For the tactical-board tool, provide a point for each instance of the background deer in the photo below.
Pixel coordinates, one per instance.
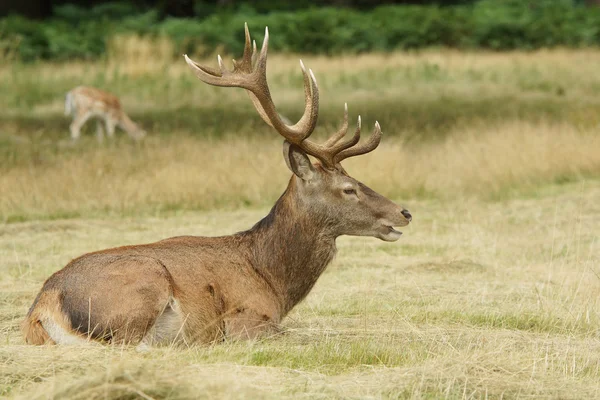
(201, 289)
(83, 103)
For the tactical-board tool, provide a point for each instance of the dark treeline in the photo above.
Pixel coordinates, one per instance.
(195, 8)
(65, 30)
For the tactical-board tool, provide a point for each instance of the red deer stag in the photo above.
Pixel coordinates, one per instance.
(200, 289)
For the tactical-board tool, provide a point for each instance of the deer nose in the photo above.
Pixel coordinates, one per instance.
(407, 215)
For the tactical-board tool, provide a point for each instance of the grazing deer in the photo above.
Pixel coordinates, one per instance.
(83, 103)
(193, 289)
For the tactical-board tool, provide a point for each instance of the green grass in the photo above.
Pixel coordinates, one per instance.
(416, 95)
(492, 292)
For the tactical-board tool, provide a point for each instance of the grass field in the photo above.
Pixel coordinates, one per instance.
(492, 292)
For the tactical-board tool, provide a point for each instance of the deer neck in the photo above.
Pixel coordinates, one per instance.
(292, 247)
(126, 123)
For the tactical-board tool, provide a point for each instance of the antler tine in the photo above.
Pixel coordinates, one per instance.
(311, 102)
(219, 77)
(261, 62)
(246, 63)
(340, 146)
(334, 145)
(341, 132)
(328, 151)
(254, 53)
(221, 65)
(370, 145)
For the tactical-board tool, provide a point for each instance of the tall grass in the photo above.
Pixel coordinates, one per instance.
(455, 124)
(492, 292)
(420, 93)
(134, 55)
(183, 172)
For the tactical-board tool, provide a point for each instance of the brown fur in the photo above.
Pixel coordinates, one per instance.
(46, 306)
(34, 332)
(85, 102)
(238, 286)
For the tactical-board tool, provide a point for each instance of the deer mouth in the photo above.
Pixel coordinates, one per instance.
(389, 234)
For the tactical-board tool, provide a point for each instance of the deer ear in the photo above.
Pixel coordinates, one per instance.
(297, 161)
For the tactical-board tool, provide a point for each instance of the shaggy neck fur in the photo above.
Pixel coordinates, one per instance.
(292, 247)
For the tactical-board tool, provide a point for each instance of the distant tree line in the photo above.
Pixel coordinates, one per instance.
(191, 8)
(75, 31)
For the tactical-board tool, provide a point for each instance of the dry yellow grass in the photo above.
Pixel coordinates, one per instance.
(496, 300)
(186, 173)
(493, 291)
(135, 55)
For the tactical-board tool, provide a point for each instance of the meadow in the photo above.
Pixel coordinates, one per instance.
(492, 292)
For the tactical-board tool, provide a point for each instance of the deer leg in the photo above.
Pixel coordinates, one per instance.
(75, 128)
(121, 306)
(99, 131)
(78, 122)
(110, 127)
(245, 323)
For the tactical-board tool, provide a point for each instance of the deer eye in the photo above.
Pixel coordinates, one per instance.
(349, 191)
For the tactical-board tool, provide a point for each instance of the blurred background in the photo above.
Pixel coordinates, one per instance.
(483, 98)
(39, 29)
(490, 112)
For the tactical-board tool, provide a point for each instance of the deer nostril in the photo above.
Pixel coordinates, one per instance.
(407, 215)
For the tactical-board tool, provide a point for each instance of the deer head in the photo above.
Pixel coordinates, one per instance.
(323, 189)
(134, 130)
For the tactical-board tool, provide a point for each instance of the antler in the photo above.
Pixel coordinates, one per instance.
(251, 74)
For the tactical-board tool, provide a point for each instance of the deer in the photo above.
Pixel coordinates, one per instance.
(201, 290)
(84, 102)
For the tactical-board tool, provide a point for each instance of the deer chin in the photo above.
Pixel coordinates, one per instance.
(387, 233)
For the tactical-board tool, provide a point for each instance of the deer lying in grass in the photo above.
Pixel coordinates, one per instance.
(83, 103)
(202, 289)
